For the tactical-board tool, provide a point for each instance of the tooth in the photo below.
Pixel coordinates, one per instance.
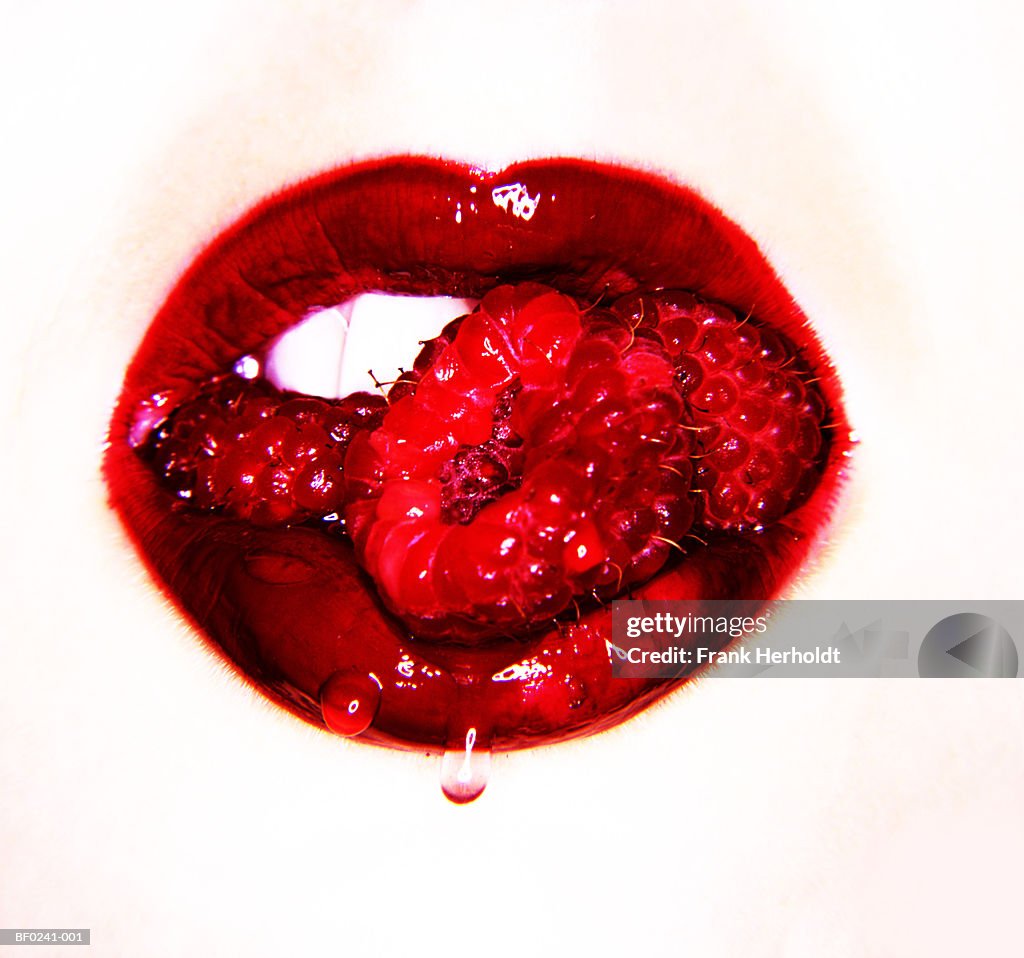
(307, 357)
(330, 353)
(385, 333)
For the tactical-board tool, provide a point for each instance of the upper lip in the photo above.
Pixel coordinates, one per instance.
(429, 227)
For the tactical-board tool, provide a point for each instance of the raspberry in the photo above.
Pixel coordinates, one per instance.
(580, 482)
(757, 417)
(244, 448)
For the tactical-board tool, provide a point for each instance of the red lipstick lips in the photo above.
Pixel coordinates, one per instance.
(292, 607)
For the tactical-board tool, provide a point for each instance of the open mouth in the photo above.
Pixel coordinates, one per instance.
(635, 408)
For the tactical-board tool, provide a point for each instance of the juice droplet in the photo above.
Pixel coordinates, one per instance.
(248, 367)
(349, 702)
(464, 771)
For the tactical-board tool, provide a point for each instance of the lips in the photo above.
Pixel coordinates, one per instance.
(290, 607)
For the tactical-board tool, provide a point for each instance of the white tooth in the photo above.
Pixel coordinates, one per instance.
(331, 352)
(307, 357)
(385, 333)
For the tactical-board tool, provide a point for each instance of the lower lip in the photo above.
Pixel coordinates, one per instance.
(290, 608)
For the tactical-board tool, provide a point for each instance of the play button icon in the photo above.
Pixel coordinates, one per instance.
(967, 645)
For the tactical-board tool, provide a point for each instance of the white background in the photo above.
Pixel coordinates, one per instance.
(873, 151)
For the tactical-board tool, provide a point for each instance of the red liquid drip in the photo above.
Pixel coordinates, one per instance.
(349, 702)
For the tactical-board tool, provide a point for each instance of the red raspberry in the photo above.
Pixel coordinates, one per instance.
(758, 416)
(540, 456)
(244, 448)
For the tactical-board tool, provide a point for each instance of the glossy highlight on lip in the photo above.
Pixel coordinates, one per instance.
(290, 606)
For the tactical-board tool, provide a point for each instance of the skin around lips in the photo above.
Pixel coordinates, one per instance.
(284, 604)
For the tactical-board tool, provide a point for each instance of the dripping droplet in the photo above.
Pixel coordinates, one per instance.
(349, 702)
(464, 771)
